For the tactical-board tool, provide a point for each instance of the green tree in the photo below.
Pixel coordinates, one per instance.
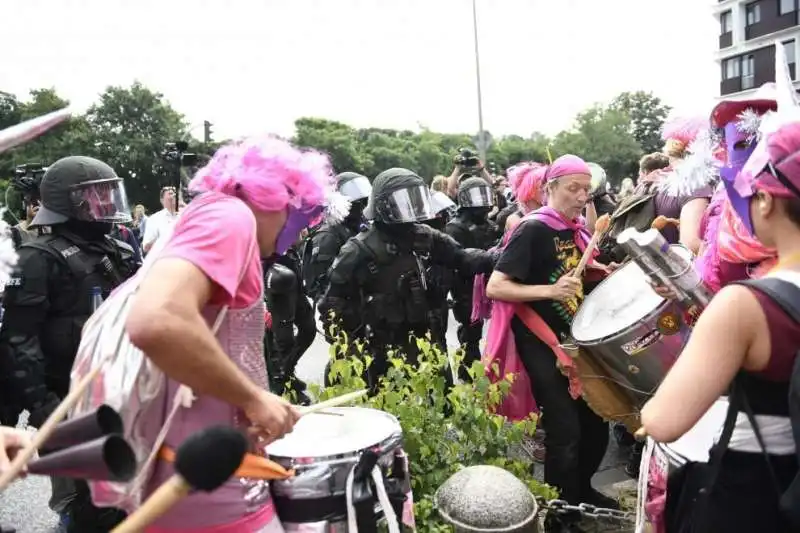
(336, 139)
(601, 135)
(129, 128)
(646, 113)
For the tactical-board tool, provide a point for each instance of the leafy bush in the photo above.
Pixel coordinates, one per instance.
(444, 428)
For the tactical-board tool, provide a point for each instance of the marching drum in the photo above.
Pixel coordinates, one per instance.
(660, 460)
(632, 332)
(339, 456)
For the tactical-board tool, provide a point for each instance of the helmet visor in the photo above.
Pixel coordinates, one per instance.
(356, 189)
(412, 204)
(476, 197)
(101, 201)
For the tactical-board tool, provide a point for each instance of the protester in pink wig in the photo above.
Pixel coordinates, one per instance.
(536, 297)
(255, 197)
(527, 183)
(678, 133)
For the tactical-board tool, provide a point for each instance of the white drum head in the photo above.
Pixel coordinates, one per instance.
(620, 301)
(325, 435)
(696, 443)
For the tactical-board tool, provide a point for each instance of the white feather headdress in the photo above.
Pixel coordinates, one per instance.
(698, 169)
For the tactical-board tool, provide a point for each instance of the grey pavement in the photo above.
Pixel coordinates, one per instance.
(24, 505)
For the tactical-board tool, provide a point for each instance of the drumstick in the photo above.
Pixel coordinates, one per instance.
(600, 227)
(40, 437)
(333, 402)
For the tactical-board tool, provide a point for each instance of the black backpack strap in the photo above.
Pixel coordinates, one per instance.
(783, 293)
(742, 399)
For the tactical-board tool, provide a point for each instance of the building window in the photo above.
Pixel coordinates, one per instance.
(788, 48)
(726, 22)
(753, 13)
(748, 72)
(732, 67)
(786, 6)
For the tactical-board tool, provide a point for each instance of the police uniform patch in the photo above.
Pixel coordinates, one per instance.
(669, 324)
(14, 281)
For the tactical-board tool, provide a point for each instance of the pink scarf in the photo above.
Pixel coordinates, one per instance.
(501, 349)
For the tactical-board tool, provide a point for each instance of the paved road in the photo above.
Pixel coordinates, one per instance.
(24, 505)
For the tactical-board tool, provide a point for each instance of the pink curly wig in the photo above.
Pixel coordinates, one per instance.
(679, 132)
(527, 181)
(268, 172)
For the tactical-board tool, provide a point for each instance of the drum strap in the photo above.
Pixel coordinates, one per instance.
(383, 497)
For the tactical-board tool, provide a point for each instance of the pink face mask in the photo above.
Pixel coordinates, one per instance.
(296, 221)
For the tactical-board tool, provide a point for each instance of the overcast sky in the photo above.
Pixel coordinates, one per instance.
(257, 65)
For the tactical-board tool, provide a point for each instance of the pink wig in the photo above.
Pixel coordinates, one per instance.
(527, 181)
(683, 129)
(269, 173)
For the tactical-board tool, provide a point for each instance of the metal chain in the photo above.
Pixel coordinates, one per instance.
(561, 507)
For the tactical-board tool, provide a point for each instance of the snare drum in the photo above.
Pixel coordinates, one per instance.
(635, 334)
(664, 459)
(323, 449)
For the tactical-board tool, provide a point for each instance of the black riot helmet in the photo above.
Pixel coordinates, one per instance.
(475, 192)
(353, 185)
(399, 197)
(83, 189)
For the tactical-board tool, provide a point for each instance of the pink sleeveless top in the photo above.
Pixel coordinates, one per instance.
(216, 234)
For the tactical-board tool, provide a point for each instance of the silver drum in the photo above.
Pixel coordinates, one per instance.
(635, 334)
(322, 449)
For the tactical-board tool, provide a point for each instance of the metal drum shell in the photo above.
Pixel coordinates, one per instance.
(322, 476)
(639, 355)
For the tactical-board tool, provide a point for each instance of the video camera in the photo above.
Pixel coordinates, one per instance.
(466, 158)
(27, 179)
(175, 153)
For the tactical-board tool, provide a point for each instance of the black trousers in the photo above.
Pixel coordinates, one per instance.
(575, 437)
(469, 337)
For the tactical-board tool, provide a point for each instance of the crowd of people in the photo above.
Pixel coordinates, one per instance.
(226, 302)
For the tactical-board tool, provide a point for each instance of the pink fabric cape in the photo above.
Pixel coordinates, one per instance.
(500, 346)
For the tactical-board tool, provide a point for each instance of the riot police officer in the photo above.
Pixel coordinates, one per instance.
(439, 276)
(378, 285)
(471, 228)
(26, 182)
(50, 296)
(288, 307)
(324, 243)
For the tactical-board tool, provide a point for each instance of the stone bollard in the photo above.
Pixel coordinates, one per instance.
(486, 499)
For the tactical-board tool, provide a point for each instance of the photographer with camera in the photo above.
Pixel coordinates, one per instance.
(158, 223)
(26, 182)
(467, 165)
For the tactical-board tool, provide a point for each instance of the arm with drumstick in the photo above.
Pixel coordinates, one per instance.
(601, 226)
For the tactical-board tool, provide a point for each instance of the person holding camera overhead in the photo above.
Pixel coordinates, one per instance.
(467, 165)
(158, 223)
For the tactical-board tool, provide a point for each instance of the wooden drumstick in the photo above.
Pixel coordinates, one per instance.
(600, 228)
(333, 402)
(40, 437)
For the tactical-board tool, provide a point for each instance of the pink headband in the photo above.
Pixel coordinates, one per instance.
(567, 165)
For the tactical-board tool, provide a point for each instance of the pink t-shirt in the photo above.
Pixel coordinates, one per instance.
(216, 232)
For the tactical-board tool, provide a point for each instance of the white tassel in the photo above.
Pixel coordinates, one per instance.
(699, 169)
(8, 255)
(337, 207)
